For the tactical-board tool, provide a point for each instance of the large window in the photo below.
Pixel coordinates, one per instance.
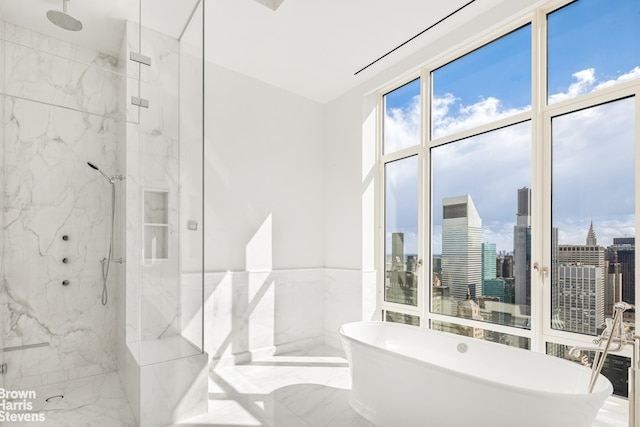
(401, 130)
(512, 217)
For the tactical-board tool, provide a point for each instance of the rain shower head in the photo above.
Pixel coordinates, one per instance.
(92, 166)
(63, 19)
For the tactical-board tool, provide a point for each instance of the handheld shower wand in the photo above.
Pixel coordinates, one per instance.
(106, 262)
(108, 178)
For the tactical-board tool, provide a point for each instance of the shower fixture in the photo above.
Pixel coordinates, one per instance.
(91, 165)
(106, 262)
(63, 19)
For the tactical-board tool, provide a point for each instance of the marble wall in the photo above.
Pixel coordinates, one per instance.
(267, 188)
(255, 314)
(60, 110)
(252, 314)
(4, 315)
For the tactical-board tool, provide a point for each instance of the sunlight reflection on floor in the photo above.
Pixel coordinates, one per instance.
(302, 389)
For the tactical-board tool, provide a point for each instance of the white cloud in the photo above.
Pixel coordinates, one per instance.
(497, 157)
(584, 80)
(587, 82)
(491, 167)
(593, 172)
(501, 160)
(631, 75)
(402, 126)
(446, 121)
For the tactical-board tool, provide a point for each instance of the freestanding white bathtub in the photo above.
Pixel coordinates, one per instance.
(408, 376)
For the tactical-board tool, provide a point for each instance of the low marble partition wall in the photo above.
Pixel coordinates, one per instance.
(252, 314)
(248, 314)
(60, 110)
(349, 296)
(173, 391)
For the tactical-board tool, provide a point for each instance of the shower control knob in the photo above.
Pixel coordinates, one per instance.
(65, 260)
(65, 282)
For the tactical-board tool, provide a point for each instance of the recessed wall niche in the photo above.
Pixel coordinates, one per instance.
(156, 224)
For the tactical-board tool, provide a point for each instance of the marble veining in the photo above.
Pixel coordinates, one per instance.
(24, 37)
(47, 77)
(59, 110)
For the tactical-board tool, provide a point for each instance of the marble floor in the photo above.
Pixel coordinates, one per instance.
(298, 389)
(96, 401)
(303, 389)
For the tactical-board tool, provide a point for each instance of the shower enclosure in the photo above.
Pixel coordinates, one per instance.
(132, 106)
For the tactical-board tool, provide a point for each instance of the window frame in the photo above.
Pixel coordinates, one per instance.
(540, 115)
(382, 160)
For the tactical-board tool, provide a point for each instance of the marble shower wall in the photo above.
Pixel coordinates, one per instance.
(60, 109)
(4, 315)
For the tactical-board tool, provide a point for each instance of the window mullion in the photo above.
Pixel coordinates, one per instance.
(540, 281)
(424, 222)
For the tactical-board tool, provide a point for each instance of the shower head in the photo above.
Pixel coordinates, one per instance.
(63, 19)
(92, 166)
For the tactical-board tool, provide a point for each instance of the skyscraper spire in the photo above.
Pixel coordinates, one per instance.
(591, 236)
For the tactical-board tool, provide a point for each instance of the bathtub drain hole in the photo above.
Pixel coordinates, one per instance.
(462, 348)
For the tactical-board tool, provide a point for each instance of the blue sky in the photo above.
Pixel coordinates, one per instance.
(593, 34)
(592, 45)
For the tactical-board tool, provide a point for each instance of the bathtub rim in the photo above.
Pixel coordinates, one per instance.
(607, 390)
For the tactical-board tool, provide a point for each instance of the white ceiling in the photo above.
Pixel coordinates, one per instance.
(308, 47)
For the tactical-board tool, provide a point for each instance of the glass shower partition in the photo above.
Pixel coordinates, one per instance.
(164, 186)
(135, 112)
(164, 211)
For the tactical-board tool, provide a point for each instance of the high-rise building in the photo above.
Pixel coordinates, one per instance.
(589, 254)
(591, 236)
(522, 251)
(494, 291)
(461, 246)
(494, 288)
(400, 284)
(397, 251)
(555, 306)
(625, 250)
(436, 268)
(581, 298)
(488, 261)
(580, 286)
(504, 266)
